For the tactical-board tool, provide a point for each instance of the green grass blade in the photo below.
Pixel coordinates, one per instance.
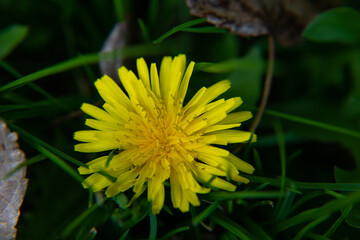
(131, 51)
(315, 213)
(232, 227)
(153, 226)
(34, 140)
(119, 10)
(35, 87)
(28, 162)
(314, 123)
(286, 207)
(221, 196)
(309, 226)
(204, 214)
(60, 67)
(195, 228)
(71, 227)
(179, 28)
(281, 141)
(144, 30)
(336, 224)
(205, 30)
(10, 37)
(306, 185)
(258, 164)
(175, 231)
(255, 229)
(153, 13)
(59, 162)
(245, 63)
(124, 236)
(317, 236)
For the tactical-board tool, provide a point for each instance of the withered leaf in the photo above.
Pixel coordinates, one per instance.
(12, 189)
(284, 19)
(116, 39)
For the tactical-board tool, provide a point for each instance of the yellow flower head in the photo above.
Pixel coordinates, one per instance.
(158, 137)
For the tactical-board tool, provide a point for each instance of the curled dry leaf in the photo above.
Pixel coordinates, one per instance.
(115, 40)
(285, 19)
(12, 189)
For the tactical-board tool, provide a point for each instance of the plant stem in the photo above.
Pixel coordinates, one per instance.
(267, 85)
(266, 89)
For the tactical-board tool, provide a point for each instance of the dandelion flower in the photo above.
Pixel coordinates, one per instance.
(159, 137)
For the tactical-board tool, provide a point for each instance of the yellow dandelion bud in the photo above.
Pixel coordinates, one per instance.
(160, 138)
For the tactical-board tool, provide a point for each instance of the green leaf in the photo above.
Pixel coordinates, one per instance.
(337, 25)
(179, 28)
(10, 37)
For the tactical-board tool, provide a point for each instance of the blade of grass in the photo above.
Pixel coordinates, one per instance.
(144, 30)
(221, 196)
(153, 226)
(204, 214)
(258, 164)
(28, 162)
(179, 28)
(119, 10)
(195, 228)
(153, 13)
(34, 140)
(336, 224)
(232, 227)
(286, 207)
(315, 213)
(92, 58)
(77, 221)
(258, 232)
(306, 185)
(228, 236)
(35, 87)
(59, 162)
(304, 199)
(175, 231)
(205, 30)
(281, 141)
(317, 236)
(124, 236)
(246, 63)
(313, 123)
(309, 226)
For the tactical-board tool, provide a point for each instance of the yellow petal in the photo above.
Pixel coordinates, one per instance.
(97, 113)
(240, 164)
(155, 83)
(96, 182)
(231, 136)
(143, 71)
(86, 136)
(236, 117)
(95, 146)
(185, 82)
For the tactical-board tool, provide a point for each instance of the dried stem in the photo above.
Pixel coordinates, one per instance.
(266, 89)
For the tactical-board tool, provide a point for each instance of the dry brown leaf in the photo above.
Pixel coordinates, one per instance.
(12, 189)
(285, 19)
